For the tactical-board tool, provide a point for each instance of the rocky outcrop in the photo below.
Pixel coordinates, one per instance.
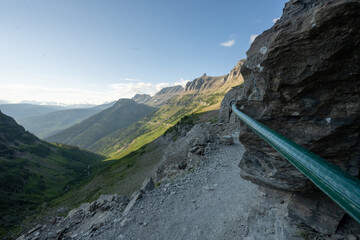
(302, 79)
(81, 222)
(160, 97)
(225, 115)
(191, 144)
(90, 218)
(186, 152)
(204, 83)
(141, 98)
(164, 95)
(317, 210)
(216, 84)
(173, 89)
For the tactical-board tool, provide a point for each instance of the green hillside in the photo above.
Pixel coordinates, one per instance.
(51, 123)
(121, 143)
(33, 172)
(203, 94)
(122, 176)
(136, 150)
(88, 132)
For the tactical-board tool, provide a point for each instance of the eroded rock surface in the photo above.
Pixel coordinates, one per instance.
(81, 222)
(302, 79)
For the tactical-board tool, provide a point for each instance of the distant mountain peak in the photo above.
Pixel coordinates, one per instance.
(172, 89)
(215, 84)
(122, 101)
(160, 97)
(86, 133)
(142, 98)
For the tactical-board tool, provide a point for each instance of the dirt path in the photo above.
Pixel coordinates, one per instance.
(212, 202)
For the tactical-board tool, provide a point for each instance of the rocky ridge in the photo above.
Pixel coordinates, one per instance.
(160, 97)
(216, 84)
(141, 98)
(312, 99)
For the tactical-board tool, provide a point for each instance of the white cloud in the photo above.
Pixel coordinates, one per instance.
(252, 37)
(228, 43)
(275, 20)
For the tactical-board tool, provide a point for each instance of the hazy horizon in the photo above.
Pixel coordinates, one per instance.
(90, 52)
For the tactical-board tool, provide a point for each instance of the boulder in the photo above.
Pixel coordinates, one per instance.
(148, 185)
(301, 79)
(136, 196)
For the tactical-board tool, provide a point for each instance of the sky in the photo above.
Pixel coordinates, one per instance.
(96, 51)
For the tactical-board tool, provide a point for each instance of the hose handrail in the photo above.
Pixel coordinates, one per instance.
(341, 187)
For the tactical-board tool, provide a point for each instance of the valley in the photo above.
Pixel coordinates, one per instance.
(33, 172)
(128, 133)
(267, 150)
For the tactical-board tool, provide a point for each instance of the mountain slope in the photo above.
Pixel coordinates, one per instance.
(206, 95)
(141, 98)
(216, 84)
(33, 171)
(133, 149)
(88, 132)
(160, 98)
(51, 123)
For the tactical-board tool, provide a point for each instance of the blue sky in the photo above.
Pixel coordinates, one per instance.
(89, 51)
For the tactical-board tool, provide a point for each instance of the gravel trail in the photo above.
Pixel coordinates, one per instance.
(211, 202)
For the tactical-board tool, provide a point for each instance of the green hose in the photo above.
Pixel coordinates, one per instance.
(341, 187)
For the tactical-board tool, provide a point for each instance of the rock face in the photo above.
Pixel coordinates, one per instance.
(204, 82)
(220, 83)
(160, 97)
(232, 94)
(302, 79)
(141, 98)
(164, 95)
(317, 210)
(81, 222)
(174, 89)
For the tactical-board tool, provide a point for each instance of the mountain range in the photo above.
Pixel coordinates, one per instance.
(87, 133)
(160, 98)
(51, 123)
(33, 171)
(104, 134)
